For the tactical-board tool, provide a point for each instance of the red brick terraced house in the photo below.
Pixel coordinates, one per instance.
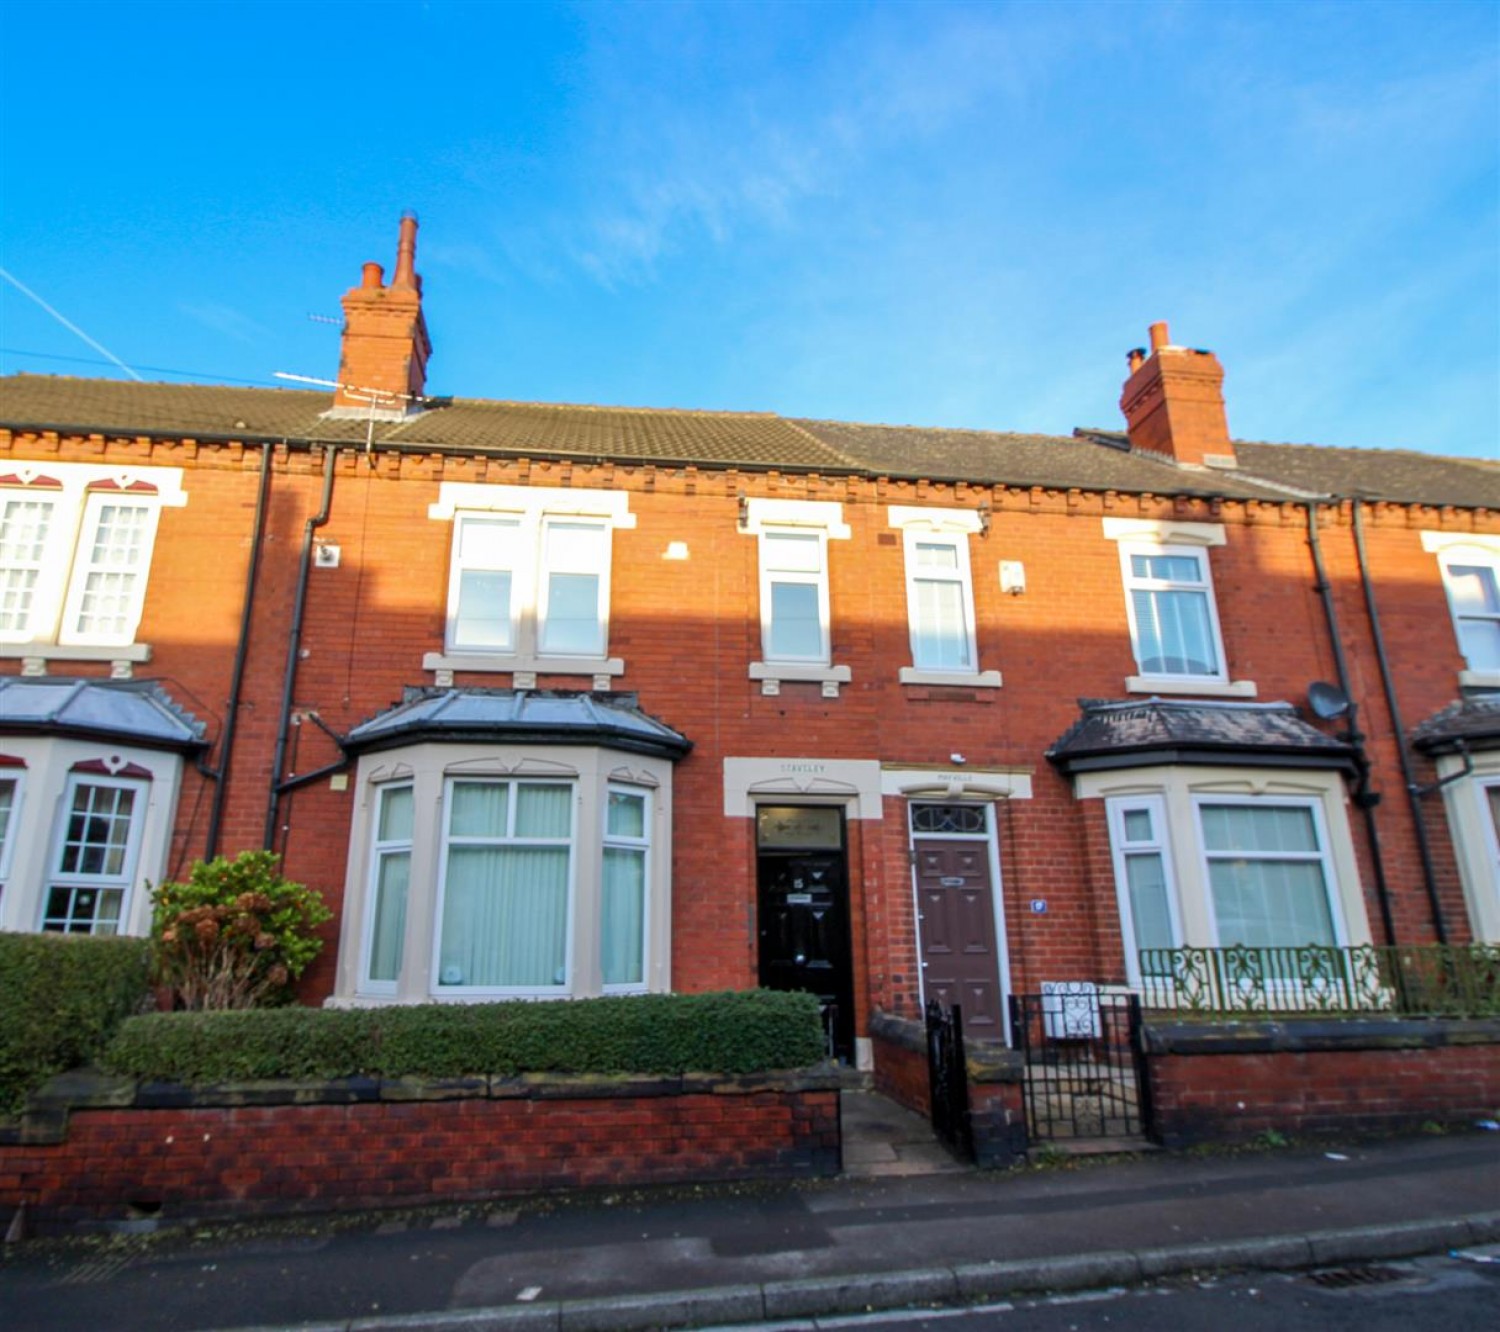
(556, 701)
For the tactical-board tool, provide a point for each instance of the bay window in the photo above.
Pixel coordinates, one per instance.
(531, 865)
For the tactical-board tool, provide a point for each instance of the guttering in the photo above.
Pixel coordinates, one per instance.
(1364, 798)
(220, 774)
(294, 648)
(1408, 776)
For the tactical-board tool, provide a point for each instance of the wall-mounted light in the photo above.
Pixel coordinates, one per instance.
(1012, 577)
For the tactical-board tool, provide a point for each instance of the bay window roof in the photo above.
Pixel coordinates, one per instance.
(1136, 734)
(137, 712)
(519, 716)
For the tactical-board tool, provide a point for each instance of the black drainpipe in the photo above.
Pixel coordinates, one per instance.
(294, 648)
(220, 774)
(1364, 798)
(1413, 788)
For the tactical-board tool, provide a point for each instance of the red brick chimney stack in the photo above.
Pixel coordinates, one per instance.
(1174, 403)
(385, 346)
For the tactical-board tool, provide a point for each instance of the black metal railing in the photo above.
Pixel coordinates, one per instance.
(1426, 980)
(1085, 1075)
(948, 1078)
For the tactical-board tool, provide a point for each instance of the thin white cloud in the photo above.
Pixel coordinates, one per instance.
(226, 320)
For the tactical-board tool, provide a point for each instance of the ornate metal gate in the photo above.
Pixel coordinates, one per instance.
(1085, 1066)
(948, 1078)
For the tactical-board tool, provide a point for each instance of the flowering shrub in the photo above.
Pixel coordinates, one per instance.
(236, 934)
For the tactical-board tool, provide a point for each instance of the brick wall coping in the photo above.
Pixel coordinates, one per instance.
(988, 1061)
(1314, 1034)
(45, 1119)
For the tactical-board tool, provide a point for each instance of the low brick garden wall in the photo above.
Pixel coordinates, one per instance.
(96, 1149)
(1223, 1081)
(997, 1112)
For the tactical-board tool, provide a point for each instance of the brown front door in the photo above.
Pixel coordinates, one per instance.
(956, 932)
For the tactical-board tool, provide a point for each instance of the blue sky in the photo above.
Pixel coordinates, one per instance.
(943, 214)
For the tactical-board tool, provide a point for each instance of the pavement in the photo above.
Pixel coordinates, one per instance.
(905, 1226)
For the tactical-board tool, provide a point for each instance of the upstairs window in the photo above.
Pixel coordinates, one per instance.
(1173, 624)
(75, 552)
(529, 579)
(940, 596)
(794, 595)
(1170, 608)
(796, 619)
(1471, 577)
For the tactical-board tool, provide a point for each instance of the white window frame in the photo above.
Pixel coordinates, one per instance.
(431, 767)
(78, 494)
(1139, 536)
(16, 775)
(619, 842)
(1321, 858)
(534, 510)
(1181, 788)
(1121, 850)
(379, 850)
(951, 527)
(447, 842)
(772, 577)
(1468, 780)
(1456, 548)
(823, 519)
(124, 881)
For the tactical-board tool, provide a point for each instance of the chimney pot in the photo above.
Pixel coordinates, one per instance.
(374, 276)
(1159, 337)
(1134, 357)
(406, 253)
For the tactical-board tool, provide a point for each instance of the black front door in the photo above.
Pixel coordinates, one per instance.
(804, 912)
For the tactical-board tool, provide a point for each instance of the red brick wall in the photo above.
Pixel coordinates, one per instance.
(688, 629)
(1218, 1097)
(205, 1160)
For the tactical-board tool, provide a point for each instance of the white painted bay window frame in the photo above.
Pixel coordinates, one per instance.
(1182, 540)
(63, 578)
(1179, 792)
(1123, 813)
(12, 798)
(1468, 559)
(1472, 803)
(532, 516)
(31, 857)
(70, 883)
(950, 529)
(815, 523)
(431, 770)
(387, 849)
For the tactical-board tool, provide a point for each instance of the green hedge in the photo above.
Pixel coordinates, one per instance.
(746, 1031)
(61, 998)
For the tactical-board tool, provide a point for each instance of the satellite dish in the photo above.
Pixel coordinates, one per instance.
(1327, 701)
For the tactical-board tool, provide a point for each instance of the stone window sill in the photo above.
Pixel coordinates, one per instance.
(34, 656)
(1171, 684)
(523, 669)
(911, 675)
(771, 674)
